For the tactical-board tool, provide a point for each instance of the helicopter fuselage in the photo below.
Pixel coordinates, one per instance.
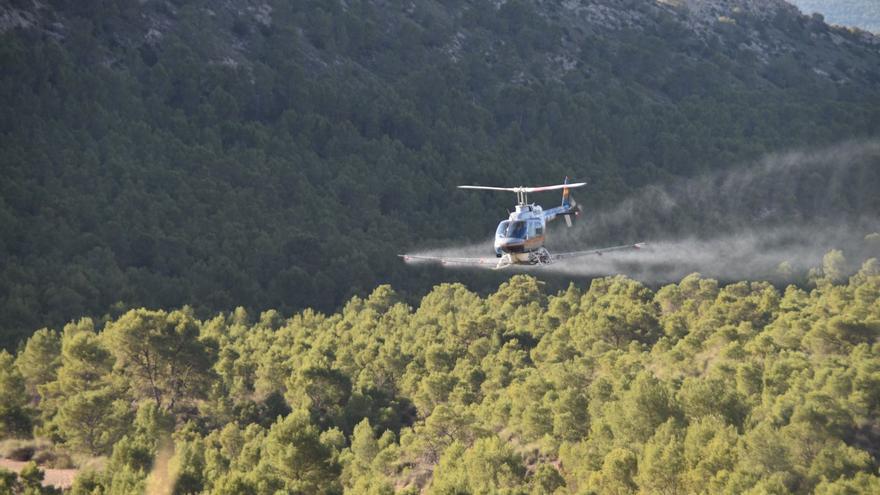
(522, 232)
(522, 235)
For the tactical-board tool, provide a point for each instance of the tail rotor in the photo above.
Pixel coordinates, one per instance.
(570, 205)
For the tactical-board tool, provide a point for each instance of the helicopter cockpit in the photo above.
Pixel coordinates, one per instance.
(515, 229)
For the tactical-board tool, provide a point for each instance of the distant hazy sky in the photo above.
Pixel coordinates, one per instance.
(863, 14)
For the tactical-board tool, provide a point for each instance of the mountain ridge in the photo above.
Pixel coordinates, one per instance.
(702, 16)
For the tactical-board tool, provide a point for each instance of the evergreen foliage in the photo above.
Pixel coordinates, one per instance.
(162, 153)
(694, 388)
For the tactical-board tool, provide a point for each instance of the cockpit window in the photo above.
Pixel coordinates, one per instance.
(516, 229)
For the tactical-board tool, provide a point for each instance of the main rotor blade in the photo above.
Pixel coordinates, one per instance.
(526, 189)
(550, 188)
(489, 188)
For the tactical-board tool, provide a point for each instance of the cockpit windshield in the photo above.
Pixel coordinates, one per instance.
(516, 229)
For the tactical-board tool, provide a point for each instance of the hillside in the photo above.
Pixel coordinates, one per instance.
(862, 14)
(278, 154)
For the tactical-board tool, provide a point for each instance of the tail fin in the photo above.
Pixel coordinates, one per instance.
(566, 196)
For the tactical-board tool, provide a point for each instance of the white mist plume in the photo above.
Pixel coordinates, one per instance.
(774, 254)
(780, 189)
(787, 209)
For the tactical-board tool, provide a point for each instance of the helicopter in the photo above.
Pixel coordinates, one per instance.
(519, 240)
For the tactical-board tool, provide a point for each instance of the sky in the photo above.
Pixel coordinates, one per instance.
(864, 14)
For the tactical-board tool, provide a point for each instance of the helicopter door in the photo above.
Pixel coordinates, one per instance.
(535, 229)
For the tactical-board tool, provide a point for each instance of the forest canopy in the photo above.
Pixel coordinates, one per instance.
(279, 155)
(695, 388)
(201, 203)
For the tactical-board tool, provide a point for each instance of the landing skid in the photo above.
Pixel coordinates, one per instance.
(504, 261)
(538, 257)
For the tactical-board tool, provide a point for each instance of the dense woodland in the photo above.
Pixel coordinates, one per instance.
(166, 162)
(279, 154)
(614, 388)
